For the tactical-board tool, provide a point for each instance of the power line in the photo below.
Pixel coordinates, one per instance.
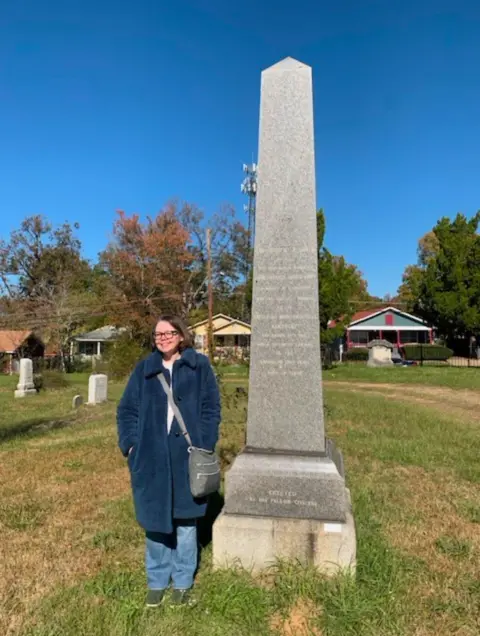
(45, 314)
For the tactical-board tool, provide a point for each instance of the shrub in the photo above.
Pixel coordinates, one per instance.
(359, 354)
(121, 357)
(50, 380)
(79, 365)
(427, 352)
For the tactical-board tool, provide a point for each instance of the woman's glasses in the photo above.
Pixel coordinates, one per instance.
(165, 335)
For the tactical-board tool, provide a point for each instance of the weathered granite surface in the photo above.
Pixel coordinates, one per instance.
(97, 388)
(285, 494)
(25, 384)
(285, 408)
(77, 401)
(258, 542)
(285, 485)
(380, 353)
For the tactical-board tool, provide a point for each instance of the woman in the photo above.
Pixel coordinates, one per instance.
(150, 437)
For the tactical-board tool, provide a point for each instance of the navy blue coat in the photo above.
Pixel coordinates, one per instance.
(158, 462)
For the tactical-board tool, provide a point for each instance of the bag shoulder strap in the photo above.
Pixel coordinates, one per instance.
(175, 409)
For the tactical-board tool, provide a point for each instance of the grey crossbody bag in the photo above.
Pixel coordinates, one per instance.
(203, 465)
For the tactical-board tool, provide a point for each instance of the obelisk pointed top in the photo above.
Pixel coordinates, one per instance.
(287, 64)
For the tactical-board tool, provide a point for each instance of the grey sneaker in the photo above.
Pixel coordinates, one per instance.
(155, 597)
(182, 597)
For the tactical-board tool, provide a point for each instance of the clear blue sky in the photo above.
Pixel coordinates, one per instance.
(112, 104)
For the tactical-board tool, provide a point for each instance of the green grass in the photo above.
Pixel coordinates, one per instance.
(23, 515)
(414, 479)
(112, 602)
(50, 408)
(408, 435)
(453, 547)
(452, 377)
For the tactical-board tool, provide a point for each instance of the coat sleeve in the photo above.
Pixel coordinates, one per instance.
(128, 412)
(210, 407)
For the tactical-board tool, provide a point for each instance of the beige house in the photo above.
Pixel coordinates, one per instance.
(231, 337)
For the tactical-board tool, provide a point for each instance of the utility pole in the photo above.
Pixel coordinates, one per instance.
(210, 296)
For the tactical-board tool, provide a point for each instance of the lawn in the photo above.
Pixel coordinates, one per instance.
(453, 377)
(72, 554)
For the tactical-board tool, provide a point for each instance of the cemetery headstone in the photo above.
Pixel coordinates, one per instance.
(380, 353)
(285, 495)
(97, 388)
(77, 401)
(25, 384)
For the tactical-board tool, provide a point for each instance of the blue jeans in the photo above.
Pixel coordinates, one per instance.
(172, 556)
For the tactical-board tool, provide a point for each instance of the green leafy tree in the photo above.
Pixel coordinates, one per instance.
(339, 285)
(444, 286)
(45, 282)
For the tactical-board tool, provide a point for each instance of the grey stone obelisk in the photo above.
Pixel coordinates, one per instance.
(285, 494)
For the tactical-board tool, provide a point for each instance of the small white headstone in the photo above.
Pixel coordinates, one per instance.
(97, 388)
(25, 384)
(77, 401)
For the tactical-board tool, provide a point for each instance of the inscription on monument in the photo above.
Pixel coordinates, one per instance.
(280, 498)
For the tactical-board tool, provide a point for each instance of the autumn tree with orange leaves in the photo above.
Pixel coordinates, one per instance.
(146, 271)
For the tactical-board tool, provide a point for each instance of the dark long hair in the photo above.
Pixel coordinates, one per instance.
(179, 325)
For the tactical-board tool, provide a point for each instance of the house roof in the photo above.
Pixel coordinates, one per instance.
(229, 324)
(359, 316)
(101, 334)
(229, 318)
(10, 341)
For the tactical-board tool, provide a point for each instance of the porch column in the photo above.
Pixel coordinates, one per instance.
(98, 349)
(348, 339)
(398, 339)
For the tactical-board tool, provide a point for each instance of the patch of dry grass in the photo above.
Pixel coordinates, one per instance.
(462, 403)
(52, 493)
(298, 621)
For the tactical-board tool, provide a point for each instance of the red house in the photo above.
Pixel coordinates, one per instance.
(389, 323)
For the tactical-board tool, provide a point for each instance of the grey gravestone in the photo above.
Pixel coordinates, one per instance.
(287, 472)
(25, 384)
(77, 401)
(380, 353)
(97, 388)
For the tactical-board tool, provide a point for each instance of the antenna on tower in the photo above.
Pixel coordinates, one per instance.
(249, 187)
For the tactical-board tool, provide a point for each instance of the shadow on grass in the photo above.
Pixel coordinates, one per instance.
(205, 524)
(34, 426)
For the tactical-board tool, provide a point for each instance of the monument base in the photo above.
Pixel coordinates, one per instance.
(20, 393)
(285, 484)
(255, 543)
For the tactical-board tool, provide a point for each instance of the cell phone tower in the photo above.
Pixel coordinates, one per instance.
(249, 187)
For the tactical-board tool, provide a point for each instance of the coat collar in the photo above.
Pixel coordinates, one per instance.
(154, 366)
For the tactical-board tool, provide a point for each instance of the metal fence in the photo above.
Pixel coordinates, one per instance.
(330, 355)
(454, 361)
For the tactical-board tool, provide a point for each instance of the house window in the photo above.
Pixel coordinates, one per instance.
(414, 337)
(87, 348)
(359, 337)
(389, 320)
